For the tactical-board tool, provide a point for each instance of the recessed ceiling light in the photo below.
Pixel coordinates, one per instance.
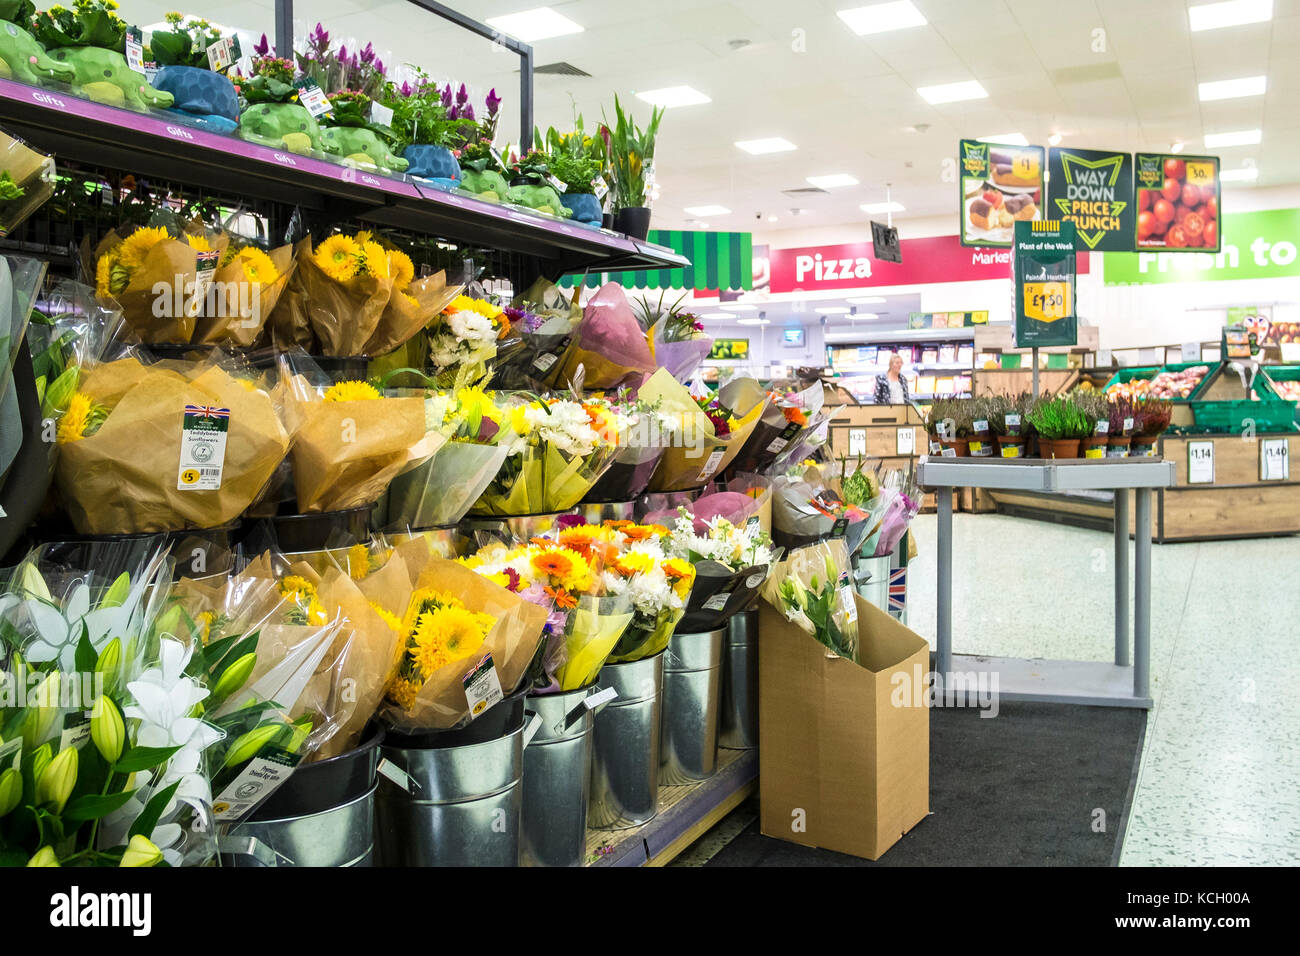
(1054, 139)
(952, 92)
(1212, 16)
(833, 181)
(1242, 137)
(1006, 139)
(865, 315)
(708, 210)
(532, 25)
(717, 315)
(882, 17)
(738, 307)
(1231, 89)
(1176, 147)
(674, 96)
(753, 321)
(773, 144)
(1246, 174)
(878, 207)
(833, 310)
(771, 218)
(867, 300)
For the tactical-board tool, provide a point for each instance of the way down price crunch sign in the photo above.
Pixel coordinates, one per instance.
(1043, 273)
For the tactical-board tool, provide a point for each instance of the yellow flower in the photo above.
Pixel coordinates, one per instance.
(411, 300)
(634, 562)
(141, 852)
(460, 632)
(351, 392)
(475, 401)
(135, 247)
(294, 585)
(403, 270)
(519, 420)
(403, 693)
(198, 243)
(258, 266)
(501, 579)
(358, 562)
(336, 257)
(464, 303)
(104, 274)
(204, 621)
(72, 426)
(389, 618)
(316, 615)
(374, 260)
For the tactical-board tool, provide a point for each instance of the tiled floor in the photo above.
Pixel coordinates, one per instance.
(1220, 775)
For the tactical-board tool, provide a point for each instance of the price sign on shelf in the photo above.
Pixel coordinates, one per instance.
(1200, 462)
(1274, 460)
(857, 442)
(905, 443)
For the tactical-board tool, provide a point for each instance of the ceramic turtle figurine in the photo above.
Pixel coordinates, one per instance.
(105, 78)
(22, 59)
(489, 184)
(361, 146)
(281, 126)
(540, 197)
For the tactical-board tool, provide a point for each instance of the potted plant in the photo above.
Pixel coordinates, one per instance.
(271, 112)
(533, 186)
(1010, 429)
(1151, 418)
(186, 71)
(424, 133)
(1123, 416)
(633, 151)
(481, 172)
(982, 442)
(578, 161)
(1060, 425)
(91, 39)
(950, 423)
(1096, 411)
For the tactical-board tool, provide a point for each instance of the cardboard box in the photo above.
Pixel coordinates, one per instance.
(843, 767)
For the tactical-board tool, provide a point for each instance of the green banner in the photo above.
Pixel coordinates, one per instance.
(719, 261)
(1256, 245)
(1043, 271)
(1094, 190)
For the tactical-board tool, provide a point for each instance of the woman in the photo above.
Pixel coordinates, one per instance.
(891, 387)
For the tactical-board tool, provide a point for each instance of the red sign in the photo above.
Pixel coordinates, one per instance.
(925, 261)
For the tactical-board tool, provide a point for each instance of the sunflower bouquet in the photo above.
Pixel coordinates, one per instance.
(413, 305)
(160, 278)
(336, 300)
(465, 642)
(349, 441)
(248, 283)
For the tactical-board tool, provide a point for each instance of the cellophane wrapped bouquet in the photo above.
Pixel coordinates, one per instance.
(609, 344)
(642, 434)
(809, 506)
(743, 500)
(811, 587)
(543, 321)
(786, 420)
(675, 336)
(463, 339)
(659, 585)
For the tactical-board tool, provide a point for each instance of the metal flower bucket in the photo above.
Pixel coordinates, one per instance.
(557, 780)
(339, 836)
(463, 808)
(738, 724)
(692, 681)
(625, 755)
(871, 580)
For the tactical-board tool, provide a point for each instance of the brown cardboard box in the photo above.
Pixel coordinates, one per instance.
(843, 767)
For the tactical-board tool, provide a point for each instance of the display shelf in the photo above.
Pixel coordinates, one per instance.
(1030, 474)
(685, 814)
(154, 144)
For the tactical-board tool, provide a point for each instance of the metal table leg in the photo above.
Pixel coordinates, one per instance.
(943, 612)
(1142, 594)
(1121, 578)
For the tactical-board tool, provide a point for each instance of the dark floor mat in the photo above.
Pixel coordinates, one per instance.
(1020, 789)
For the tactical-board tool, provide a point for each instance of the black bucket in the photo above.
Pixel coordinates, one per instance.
(297, 533)
(198, 553)
(317, 787)
(343, 368)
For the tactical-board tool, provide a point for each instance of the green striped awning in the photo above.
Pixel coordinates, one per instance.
(719, 260)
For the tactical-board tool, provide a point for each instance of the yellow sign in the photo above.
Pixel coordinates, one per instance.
(190, 476)
(1047, 301)
(1200, 174)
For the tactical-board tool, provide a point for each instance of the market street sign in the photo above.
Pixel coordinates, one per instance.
(1044, 283)
(1093, 189)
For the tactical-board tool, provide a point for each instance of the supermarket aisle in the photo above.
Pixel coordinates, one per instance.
(1220, 776)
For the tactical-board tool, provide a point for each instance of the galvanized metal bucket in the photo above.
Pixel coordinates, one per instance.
(557, 780)
(871, 580)
(625, 742)
(692, 685)
(738, 724)
(339, 836)
(463, 809)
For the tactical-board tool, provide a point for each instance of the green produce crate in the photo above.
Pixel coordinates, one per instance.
(1151, 371)
(1269, 414)
(1282, 373)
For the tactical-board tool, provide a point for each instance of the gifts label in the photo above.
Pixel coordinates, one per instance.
(76, 730)
(711, 465)
(135, 49)
(260, 778)
(381, 114)
(312, 97)
(482, 686)
(203, 447)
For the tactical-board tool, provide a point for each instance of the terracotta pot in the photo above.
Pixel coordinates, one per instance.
(1013, 446)
(960, 445)
(1058, 448)
(1118, 446)
(1142, 446)
(1093, 446)
(981, 446)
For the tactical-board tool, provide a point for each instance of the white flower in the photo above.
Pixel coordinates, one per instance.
(471, 327)
(436, 407)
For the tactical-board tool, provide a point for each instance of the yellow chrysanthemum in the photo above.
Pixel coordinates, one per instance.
(465, 303)
(316, 615)
(375, 259)
(403, 693)
(351, 392)
(72, 426)
(519, 420)
(389, 618)
(135, 247)
(634, 562)
(294, 584)
(358, 562)
(401, 268)
(475, 401)
(473, 561)
(104, 274)
(337, 257)
(258, 266)
(198, 243)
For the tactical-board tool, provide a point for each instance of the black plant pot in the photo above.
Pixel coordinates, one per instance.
(633, 222)
(296, 533)
(607, 220)
(198, 553)
(317, 787)
(343, 368)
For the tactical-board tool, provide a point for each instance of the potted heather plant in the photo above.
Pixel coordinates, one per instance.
(1123, 416)
(632, 151)
(1096, 410)
(1151, 419)
(981, 431)
(198, 90)
(1009, 427)
(950, 423)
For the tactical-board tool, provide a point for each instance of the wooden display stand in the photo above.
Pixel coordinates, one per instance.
(879, 431)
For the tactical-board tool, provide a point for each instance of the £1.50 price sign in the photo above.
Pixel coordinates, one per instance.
(1043, 267)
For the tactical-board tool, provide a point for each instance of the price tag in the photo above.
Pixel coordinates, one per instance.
(936, 448)
(222, 54)
(205, 269)
(778, 444)
(545, 361)
(482, 686)
(840, 527)
(905, 441)
(76, 730)
(981, 426)
(1025, 166)
(1047, 301)
(557, 183)
(711, 465)
(381, 114)
(1128, 425)
(312, 97)
(1200, 174)
(1103, 428)
(717, 602)
(857, 442)
(1011, 451)
(1274, 460)
(595, 700)
(755, 579)
(600, 188)
(948, 453)
(1200, 462)
(397, 775)
(203, 447)
(1013, 424)
(260, 778)
(135, 49)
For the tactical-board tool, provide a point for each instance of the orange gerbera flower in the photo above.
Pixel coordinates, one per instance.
(562, 598)
(677, 569)
(580, 539)
(640, 532)
(796, 415)
(552, 564)
(546, 543)
(618, 523)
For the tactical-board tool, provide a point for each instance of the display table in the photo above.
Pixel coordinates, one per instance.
(1126, 683)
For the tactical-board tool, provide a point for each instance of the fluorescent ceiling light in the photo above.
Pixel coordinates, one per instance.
(1231, 89)
(1242, 137)
(882, 17)
(876, 207)
(738, 307)
(674, 96)
(1212, 16)
(1006, 139)
(864, 315)
(753, 321)
(866, 300)
(1176, 148)
(717, 315)
(834, 181)
(699, 211)
(771, 218)
(532, 25)
(1246, 174)
(773, 144)
(833, 310)
(952, 92)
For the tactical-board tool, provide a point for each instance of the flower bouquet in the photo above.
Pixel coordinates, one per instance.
(465, 642)
(543, 320)
(744, 500)
(609, 344)
(660, 588)
(784, 422)
(463, 339)
(245, 288)
(731, 562)
(812, 508)
(711, 434)
(642, 433)
(102, 745)
(167, 447)
(349, 441)
(811, 587)
(676, 337)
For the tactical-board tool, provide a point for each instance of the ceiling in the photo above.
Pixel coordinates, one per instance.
(1111, 74)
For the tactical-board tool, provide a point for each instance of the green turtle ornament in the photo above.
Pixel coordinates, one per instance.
(281, 126)
(361, 147)
(22, 59)
(103, 76)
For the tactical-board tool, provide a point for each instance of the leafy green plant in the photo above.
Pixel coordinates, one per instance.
(421, 117)
(632, 151)
(530, 169)
(17, 11)
(479, 158)
(860, 487)
(185, 44)
(576, 158)
(1060, 418)
(88, 23)
(576, 172)
(271, 82)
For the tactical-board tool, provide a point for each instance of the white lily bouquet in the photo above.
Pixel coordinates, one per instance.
(811, 587)
(103, 748)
